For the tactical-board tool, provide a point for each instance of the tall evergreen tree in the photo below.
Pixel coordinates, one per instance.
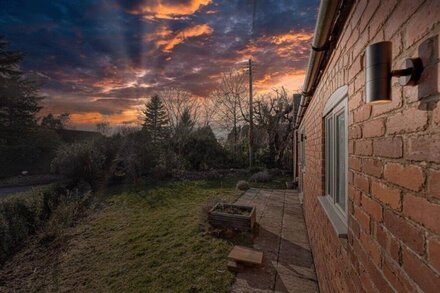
(18, 97)
(183, 129)
(156, 121)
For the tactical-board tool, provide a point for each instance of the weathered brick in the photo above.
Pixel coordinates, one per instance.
(361, 114)
(397, 45)
(364, 147)
(422, 211)
(434, 183)
(428, 84)
(374, 128)
(422, 22)
(407, 121)
(362, 182)
(351, 147)
(381, 15)
(356, 101)
(411, 177)
(354, 163)
(409, 234)
(372, 167)
(368, 13)
(363, 219)
(389, 147)
(424, 148)
(355, 195)
(436, 114)
(433, 248)
(378, 279)
(386, 194)
(355, 131)
(354, 227)
(371, 248)
(373, 208)
(404, 9)
(388, 242)
(420, 272)
(394, 274)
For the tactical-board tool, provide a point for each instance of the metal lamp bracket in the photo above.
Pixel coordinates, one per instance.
(410, 72)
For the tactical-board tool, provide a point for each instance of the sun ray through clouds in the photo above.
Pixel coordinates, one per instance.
(100, 59)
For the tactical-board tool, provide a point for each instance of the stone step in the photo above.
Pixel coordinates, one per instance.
(245, 255)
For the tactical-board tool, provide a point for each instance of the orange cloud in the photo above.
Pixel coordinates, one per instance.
(90, 118)
(266, 78)
(181, 36)
(160, 33)
(292, 81)
(290, 37)
(160, 10)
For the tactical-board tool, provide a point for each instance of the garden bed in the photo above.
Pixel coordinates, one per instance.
(234, 217)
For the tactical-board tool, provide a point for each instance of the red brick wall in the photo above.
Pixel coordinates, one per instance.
(394, 158)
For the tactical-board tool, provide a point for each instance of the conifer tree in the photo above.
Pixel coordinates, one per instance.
(184, 127)
(156, 121)
(18, 97)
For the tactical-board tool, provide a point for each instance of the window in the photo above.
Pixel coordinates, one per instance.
(335, 159)
(334, 201)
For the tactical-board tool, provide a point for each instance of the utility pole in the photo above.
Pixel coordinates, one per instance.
(251, 118)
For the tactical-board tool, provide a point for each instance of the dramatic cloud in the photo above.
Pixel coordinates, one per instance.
(186, 33)
(98, 59)
(162, 9)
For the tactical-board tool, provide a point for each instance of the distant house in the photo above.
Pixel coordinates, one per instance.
(368, 164)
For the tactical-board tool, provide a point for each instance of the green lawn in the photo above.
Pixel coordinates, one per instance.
(144, 239)
(147, 240)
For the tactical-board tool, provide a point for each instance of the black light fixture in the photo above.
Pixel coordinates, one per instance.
(378, 72)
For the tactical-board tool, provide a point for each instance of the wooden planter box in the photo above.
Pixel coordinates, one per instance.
(221, 219)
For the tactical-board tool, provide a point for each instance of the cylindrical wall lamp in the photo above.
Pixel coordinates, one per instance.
(378, 72)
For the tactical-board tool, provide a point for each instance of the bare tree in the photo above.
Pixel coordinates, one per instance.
(273, 112)
(176, 101)
(103, 128)
(207, 111)
(229, 98)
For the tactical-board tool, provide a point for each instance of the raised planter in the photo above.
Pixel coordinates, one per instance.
(231, 216)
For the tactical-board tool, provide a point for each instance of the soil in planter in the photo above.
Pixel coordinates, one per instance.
(232, 210)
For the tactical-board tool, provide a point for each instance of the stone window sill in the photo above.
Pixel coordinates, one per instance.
(339, 225)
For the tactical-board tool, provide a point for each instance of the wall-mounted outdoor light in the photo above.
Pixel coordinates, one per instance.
(378, 72)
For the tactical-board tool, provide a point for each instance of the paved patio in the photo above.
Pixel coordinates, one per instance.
(282, 236)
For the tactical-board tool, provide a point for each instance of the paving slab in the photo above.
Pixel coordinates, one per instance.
(282, 236)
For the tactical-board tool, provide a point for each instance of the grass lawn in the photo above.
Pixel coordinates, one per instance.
(144, 239)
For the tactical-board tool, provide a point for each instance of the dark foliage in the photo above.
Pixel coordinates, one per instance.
(202, 151)
(80, 161)
(156, 120)
(19, 98)
(55, 121)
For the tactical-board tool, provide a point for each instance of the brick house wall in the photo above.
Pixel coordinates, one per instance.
(393, 158)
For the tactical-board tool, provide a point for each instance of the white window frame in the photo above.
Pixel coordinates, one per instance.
(331, 141)
(336, 104)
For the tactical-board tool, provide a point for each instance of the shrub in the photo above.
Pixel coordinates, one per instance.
(72, 205)
(48, 209)
(21, 215)
(135, 157)
(242, 185)
(262, 176)
(202, 151)
(79, 161)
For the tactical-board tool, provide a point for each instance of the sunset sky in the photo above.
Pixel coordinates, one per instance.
(97, 58)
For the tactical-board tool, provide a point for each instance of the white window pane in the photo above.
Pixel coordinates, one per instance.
(329, 155)
(340, 160)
